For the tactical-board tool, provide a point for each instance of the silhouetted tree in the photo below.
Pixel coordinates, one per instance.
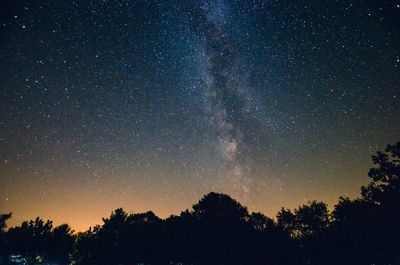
(37, 242)
(145, 238)
(60, 245)
(384, 191)
(3, 240)
(111, 239)
(269, 244)
(3, 220)
(122, 239)
(220, 208)
(385, 186)
(353, 233)
(30, 240)
(307, 220)
(221, 225)
(260, 222)
(219, 230)
(85, 249)
(286, 221)
(306, 224)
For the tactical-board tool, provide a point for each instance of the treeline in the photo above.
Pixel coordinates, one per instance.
(218, 230)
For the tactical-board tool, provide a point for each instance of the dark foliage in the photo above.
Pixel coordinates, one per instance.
(219, 230)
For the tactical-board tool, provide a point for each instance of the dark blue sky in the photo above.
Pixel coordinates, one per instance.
(151, 104)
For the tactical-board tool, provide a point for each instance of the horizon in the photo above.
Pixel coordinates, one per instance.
(128, 211)
(15, 222)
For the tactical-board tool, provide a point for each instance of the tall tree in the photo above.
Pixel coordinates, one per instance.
(384, 191)
(221, 226)
(384, 188)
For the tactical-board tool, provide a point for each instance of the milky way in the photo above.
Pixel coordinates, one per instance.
(224, 89)
(148, 105)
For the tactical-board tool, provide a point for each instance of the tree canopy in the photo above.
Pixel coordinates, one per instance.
(220, 230)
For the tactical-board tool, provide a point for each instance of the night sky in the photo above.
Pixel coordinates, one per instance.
(149, 105)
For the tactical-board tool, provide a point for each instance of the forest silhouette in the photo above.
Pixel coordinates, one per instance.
(218, 230)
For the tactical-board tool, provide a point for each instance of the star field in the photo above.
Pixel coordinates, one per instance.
(151, 104)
